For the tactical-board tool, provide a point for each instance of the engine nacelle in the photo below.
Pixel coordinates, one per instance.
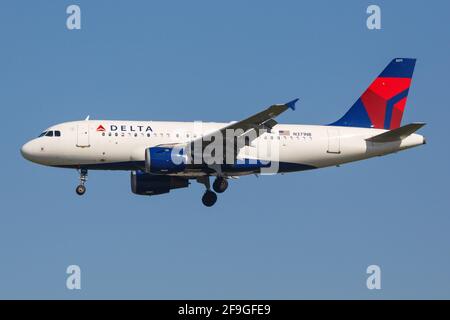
(165, 160)
(147, 184)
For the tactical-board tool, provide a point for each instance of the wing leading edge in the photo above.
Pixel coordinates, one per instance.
(263, 120)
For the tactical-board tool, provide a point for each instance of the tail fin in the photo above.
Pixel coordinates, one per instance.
(382, 104)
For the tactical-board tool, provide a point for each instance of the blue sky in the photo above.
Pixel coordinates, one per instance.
(301, 235)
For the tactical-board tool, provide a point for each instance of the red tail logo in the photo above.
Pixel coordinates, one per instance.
(382, 105)
(101, 128)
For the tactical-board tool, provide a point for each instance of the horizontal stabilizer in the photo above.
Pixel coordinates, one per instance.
(397, 134)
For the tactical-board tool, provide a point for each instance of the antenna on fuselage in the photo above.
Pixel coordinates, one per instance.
(87, 118)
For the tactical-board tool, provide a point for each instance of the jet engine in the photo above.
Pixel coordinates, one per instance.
(165, 159)
(147, 184)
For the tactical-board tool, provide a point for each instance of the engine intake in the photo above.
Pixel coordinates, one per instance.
(165, 160)
(147, 184)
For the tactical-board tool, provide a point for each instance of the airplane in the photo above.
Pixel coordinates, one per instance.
(164, 155)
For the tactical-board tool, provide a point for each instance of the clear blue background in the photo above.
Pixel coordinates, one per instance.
(301, 235)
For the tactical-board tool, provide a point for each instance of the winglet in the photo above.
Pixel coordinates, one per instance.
(291, 104)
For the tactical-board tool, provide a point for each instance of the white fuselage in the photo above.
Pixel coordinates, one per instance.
(121, 145)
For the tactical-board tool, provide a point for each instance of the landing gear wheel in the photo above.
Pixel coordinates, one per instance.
(209, 198)
(220, 185)
(80, 190)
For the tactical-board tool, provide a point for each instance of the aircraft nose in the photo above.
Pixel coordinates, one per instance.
(27, 151)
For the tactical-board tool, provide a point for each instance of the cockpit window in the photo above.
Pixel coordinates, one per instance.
(56, 133)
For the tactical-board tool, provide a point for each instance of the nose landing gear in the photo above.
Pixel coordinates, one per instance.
(81, 189)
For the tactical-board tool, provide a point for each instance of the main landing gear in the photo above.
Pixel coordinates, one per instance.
(81, 189)
(210, 197)
(220, 185)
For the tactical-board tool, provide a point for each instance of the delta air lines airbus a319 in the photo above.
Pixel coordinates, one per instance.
(166, 155)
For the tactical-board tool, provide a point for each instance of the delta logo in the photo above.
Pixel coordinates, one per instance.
(125, 128)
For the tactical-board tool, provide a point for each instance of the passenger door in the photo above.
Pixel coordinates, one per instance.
(83, 135)
(334, 143)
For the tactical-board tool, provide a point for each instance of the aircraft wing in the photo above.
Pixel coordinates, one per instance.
(261, 120)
